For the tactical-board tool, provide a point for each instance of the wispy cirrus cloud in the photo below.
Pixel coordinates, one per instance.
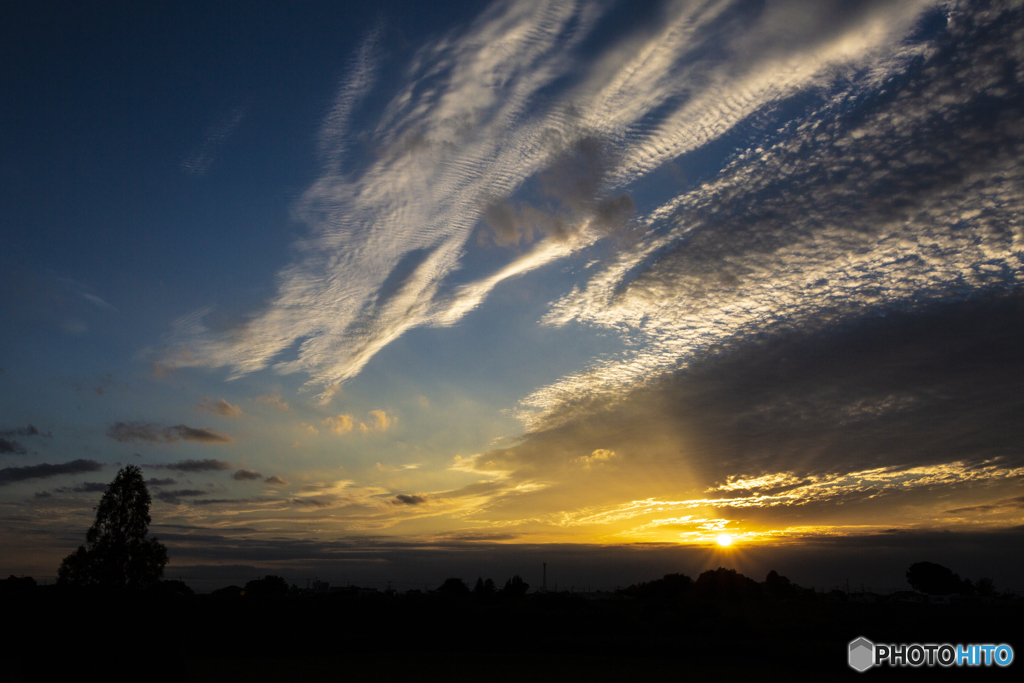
(198, 161)
(479, 115)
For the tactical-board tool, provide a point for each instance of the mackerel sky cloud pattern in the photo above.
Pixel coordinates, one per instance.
(476, 118)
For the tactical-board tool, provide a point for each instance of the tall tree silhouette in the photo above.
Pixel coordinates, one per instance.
(117, 553)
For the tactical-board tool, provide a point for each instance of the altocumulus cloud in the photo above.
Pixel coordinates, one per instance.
(385, 240)
(246, 475)
(130, 432)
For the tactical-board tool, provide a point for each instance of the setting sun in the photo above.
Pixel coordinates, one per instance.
(724, 540)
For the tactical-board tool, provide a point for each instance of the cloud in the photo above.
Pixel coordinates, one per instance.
(132, 432)
(246, 475)
(10, 475)
(84, 487)
(12, 447)
(98, 302)
(174, 497)
(600, 455)
(208, 465)
(24, 431)
(911, 410)
(198, 162)
(275, 481)
(857, 207)
(573, 184)
(154, 481)
(342, 424)
(484, 113)
(221, 407)
(407, 499)
(235, 501)
(310, 429)
(15, 447)
(380, 422)
(274, 400)
(42, 494)
(1007, 504)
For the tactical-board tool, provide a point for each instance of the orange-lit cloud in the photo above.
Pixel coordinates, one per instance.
(380, 422)
(342, 424)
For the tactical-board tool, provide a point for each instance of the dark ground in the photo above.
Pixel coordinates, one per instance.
(55, 634)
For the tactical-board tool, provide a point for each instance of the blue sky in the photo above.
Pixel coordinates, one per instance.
(522, 274)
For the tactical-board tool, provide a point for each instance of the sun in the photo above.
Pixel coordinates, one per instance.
(724, 540)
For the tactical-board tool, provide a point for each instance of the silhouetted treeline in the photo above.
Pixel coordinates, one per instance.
(721, 625)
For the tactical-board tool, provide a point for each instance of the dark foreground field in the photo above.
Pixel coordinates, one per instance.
(53, 634)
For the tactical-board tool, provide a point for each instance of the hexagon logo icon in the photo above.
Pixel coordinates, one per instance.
(862, 654)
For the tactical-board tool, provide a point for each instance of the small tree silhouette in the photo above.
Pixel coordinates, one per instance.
(117, 553)
(515, 587)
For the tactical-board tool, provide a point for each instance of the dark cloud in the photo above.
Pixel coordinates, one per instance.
(232, 501)
(407, 499)
(572, 184)
(43, 494)
(174, 496)
(315, 502)
(275, 481)
(246, 475)
(208, 465)
(10, 475)
(1007, 504)
(24, 431)
(127, 432)
(940, 384)
(154, 481)
(84, 487)
(12, 447)
(8, 445)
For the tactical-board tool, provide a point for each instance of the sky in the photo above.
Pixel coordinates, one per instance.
(400, 291)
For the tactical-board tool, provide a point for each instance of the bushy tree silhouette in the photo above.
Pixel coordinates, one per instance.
(117, 554)
(986, 588)
(268, 586)
(935, 579)
(726, 584)
(515, 587)
(453, 588)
